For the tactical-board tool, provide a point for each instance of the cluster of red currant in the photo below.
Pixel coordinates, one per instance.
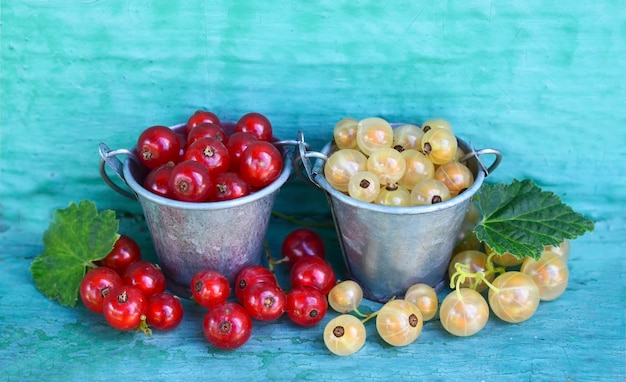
(228, 324)
(203, 163)
(130, 292)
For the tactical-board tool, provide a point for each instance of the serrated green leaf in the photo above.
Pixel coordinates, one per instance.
(521, 219)
(76, 237)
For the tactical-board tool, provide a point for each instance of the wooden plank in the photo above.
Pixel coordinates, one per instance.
(572, 338)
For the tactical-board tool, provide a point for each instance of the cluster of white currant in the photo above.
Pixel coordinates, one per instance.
(513, 288)
(399, 322)
(408, 165)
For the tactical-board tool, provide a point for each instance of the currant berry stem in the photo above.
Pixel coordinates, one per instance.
(144, 327)
(268, 256)
(490, 264)
(369, 316)
(459, 276)
(491, 286)
(280, 261)
(462, 273)
(359, 313)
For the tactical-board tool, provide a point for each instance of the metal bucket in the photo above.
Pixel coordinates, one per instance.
(188, 237)
(388, 249)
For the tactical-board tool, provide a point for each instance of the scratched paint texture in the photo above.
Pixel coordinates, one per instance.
(541, 81)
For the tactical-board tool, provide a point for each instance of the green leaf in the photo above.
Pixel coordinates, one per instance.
(521, 219)
(76, 237)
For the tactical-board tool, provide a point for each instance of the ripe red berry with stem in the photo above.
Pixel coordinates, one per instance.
(157, 180)
(146, 277)
(306, 305)
(315, 272)
(256, 124)
(206, 130)
(209, 288)
(158, 145)
(251, 275)
(229, 186)
(210, 152)
(227, 326)
(260, 164)
(165, 311)
(125, 252)
(125, 307)
(299, 243)
(238, 143)
(264, 301)
(201, 116)
(190, 181)
(96, 284)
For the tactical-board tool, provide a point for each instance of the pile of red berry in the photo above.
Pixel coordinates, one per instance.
(202, 163)
(130, 292)
(228, 324)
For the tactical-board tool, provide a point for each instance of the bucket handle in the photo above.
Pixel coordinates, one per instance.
(108, 156)
(304, 154)
(478, 153)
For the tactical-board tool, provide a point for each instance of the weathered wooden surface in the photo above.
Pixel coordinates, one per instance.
(540, 81)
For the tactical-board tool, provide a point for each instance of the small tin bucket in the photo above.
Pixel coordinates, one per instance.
(188, 237)
(388, 249)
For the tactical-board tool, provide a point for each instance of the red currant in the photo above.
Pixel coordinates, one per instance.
(261, 164)
(165, 311)
(236, 145)
(206, 130)
(125, 307)
(157, 180)
(158, 145)
(183, 144)
(256, 124)
(209, 288)
(264, 301)
(251, 275)
(313, 271)
(306, 305)
(201, 116)
(228, 186)
(125, 252)
(210, 152)
(146, 277)
(96, 284)
(302, 242)
(190, 181)
(227, 326)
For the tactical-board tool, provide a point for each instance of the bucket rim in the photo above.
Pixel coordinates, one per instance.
(319, 178)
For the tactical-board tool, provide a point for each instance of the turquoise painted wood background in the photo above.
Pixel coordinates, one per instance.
(541, 81)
